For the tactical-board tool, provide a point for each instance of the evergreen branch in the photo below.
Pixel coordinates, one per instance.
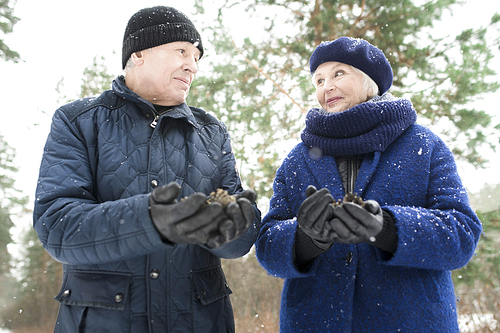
(261, 71)
(317, 27)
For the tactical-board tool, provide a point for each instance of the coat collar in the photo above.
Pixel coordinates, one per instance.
(182, 111)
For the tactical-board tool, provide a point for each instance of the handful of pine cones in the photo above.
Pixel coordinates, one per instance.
(350, 197)
(221, 196)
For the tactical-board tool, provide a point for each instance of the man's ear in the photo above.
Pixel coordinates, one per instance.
(137, 58)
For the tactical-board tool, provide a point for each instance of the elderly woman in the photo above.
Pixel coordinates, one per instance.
(379, 261)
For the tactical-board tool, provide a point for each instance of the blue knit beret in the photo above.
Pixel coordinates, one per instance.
(357, 53)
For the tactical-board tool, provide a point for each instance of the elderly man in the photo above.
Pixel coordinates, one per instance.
(122, 201)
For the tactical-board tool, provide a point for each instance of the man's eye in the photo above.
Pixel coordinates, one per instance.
(182, 51)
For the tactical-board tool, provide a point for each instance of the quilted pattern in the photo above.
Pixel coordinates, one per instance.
(101, 160)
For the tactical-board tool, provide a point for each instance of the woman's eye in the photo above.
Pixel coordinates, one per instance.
(339, 73)
(182, 51)
(320, 81)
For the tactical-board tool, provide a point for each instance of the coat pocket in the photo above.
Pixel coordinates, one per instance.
(95, 289)
(211, 285)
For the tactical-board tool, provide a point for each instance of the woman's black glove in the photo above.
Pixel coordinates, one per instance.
(355, 224)
(313, 215)
(190, 221)
(241, 215)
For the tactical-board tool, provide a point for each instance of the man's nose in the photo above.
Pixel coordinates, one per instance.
(190, 66)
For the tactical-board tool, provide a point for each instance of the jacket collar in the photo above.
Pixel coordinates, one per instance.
(176, 112)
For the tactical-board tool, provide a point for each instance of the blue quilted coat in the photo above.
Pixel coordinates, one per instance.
(101, 160)
(360, 288)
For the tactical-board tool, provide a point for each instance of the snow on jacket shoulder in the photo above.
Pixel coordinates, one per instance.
(101, 160)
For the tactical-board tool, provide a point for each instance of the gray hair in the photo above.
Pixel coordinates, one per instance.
(128, 66)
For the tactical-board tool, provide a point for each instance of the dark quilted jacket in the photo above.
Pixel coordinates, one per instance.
(101, 160)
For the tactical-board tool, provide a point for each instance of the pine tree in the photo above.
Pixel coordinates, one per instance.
(12, 204)
(477, 285)
(39, 282)
(262, 88)
(31, 302)
(96, 78)
(7, 22)
(7, 281)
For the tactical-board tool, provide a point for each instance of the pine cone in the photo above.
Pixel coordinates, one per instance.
(350, 197)
(221, 196)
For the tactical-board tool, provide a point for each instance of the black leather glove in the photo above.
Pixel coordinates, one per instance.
(355, 224)
(190, 221)
(313, 215)
(241, 215)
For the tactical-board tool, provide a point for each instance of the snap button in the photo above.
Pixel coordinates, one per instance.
(154, 273)
(348, 258)
(203, 294)
(154, 183)
(66, 293)
(119, 297)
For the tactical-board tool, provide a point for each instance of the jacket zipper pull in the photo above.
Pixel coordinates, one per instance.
(155, 121)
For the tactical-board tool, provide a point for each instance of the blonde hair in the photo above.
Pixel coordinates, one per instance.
(368, 84)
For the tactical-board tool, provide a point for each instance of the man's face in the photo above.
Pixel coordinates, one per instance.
(166, 72)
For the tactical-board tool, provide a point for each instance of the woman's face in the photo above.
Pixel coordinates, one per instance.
(338, 86)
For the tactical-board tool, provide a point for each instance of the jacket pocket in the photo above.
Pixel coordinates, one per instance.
(211, 285)
(95, 289)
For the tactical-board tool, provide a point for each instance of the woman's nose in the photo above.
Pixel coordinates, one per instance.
(329, 85)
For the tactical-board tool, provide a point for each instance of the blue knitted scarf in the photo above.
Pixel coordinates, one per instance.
(365, 128)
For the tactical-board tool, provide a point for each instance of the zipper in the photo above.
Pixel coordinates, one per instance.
(352, 173)
(155, 121)
(157, 116)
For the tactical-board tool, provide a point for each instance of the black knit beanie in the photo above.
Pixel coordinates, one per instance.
(155, 26)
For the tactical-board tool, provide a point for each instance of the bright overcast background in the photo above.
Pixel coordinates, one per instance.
(58, 38)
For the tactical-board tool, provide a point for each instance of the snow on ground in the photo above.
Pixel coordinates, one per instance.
(469, 323)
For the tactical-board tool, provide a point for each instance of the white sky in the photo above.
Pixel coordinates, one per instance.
(59, 38)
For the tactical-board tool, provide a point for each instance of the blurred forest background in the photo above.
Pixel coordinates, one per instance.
(261, 89)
